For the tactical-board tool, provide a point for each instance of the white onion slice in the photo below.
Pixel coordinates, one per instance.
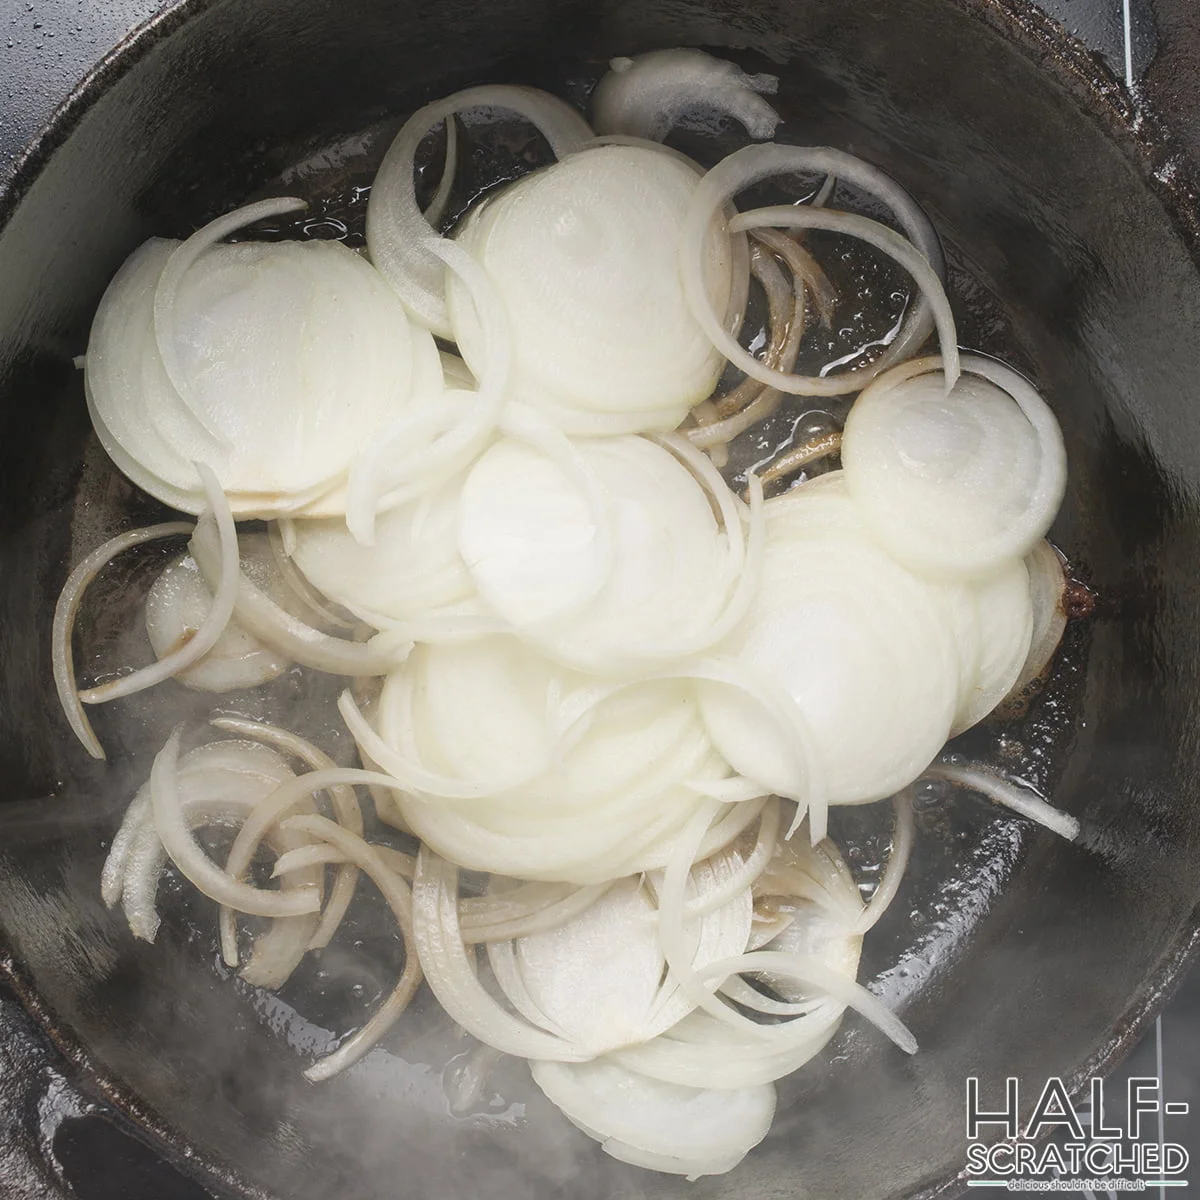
(345, 806)
(683, 1130)
(260, 616)
(815, 974)
(598, 977)
(436, 207)
(583, 258)
(219, 783)
(649, 578)
(404, 464)
(499, 922)
(268, 812)
(1047, 591)
(411, 570)
(899, 248)
(954, 485)
(216, 525)
(176, 605)
(751, 165)
(509, 768)
(862, 647)
(397, 231)
(187, 854)
(649, 95)
(448, 967)
(1019, 797)
(399, 899)
(897, 863)
(67, 609)
(166, 296)
(271, 362)
(1004, 618)
(704, 1052)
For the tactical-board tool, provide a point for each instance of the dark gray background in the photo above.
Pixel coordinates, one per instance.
(42, 57)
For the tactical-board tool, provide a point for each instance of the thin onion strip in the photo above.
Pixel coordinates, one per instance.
(272, 625)
(1005, 792)
(897, 863)
(223, 580)
(186, 853)
(882, 238)
(399, 899)
(67, 610)
(449, 969)
(345, 805)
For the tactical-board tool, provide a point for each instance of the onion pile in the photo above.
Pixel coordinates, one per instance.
(580, 663)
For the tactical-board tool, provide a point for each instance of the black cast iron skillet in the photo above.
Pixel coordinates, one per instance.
(1010, 953)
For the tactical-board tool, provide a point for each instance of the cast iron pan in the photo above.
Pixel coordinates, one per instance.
(1072, 243)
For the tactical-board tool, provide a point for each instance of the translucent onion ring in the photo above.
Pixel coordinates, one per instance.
(397, 231)
(754, 163)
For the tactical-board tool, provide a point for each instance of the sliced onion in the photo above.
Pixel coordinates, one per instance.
(649, 95)
(283, 544)
(1019, 797)
(437, 204)
(166, 295)
(704, 1052)
(404, 464)
(897, 863)
(448, 967)
(861, 647)
(745, 870)
(219, 785)
(216, 525)
(502, 917)
(399, 899)
(176, 605)
(271, 810)
(1004, 619)
(508, 770)
(410, 571)
(197, 867)
(579, 254)
(345, 806)
(260, 616)
(897, 247)
(752, 164)
(397, 231)
(1047, 591)
(682, 1130)
(67, 610)
(271, 362)
(597, 977)
(812, 973)
(605, 592)
(954, 485)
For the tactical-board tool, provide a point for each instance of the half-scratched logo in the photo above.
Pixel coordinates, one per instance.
(1069, 1148)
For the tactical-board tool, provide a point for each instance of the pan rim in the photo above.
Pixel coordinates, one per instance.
(1135, 128)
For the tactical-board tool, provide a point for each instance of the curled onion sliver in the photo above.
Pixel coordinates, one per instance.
(345, 805)
(893, 244)
(67, 609)
(1020, 798)
(448, 967)
(397, 231)
(399, 899)
(187, 854)
(752, 164)
(223, 579)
